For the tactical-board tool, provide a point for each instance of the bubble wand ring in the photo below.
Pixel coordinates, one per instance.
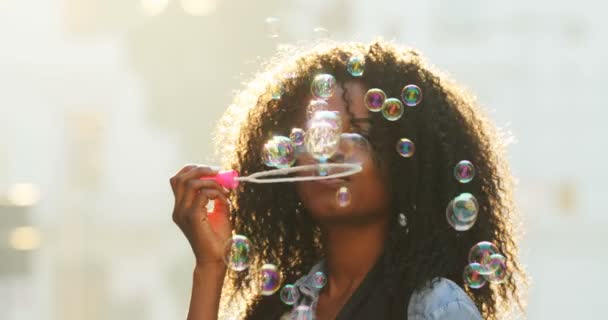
(231, 180)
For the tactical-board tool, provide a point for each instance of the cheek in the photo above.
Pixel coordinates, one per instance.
(372, 190)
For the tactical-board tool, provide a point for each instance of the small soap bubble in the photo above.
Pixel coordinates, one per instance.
(472, 278)
(316, 105)
(464, 171)
(374, 99)
(323, 86)
(273, 27)
(279, 152)
(405, 147)
(454, 222)
(465, 207)
(411, 95)
(238, 252)
(497, 265)
(276, 90)
(392, 109)
(290, 294)
(323, 170)
(402, 219)
(354, 148)
(343, 197)
(481, 253)
(271, 279)
(356, 66)
(320, 33)
(297, 136)
(318, 280)
(302, 312)
(323, 134)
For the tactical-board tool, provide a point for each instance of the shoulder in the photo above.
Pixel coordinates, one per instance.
(441, 299)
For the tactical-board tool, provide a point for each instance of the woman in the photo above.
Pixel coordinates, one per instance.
(390, 253)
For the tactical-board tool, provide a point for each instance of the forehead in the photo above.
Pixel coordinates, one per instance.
(348, 101)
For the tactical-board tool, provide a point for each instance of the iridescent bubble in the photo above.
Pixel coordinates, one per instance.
(297, 136)
(464, 171)
(290, 294)
(320, 33)
(323, 86)
(405, 147)
(402, 219)
(343, 197)
(354, 148)
(238, 252)
(302, 312)
(472, 278)
(276, 90)
(323, 134)
(454, 222)
(356, 66)
(319, 280)
(316, 105)
(465, 207)
(392, 109)
(271, 279)
(273, 27)
(279, 152)
(497, 265)
(374, 99)
(411, 95)
(480, 254)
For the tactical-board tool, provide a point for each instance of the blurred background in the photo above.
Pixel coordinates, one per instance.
(101, 101)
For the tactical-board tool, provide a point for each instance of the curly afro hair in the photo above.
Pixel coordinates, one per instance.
(447, 127)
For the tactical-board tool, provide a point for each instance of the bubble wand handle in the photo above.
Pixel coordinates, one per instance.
(228, 179)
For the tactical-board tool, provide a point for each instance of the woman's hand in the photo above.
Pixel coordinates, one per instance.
(207, 233)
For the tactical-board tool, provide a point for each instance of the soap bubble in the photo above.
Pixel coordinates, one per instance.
(323, 134)
(356, 66)
(354, 148)
(464, 171)
(319, 280)
(273, 27)
(276, 89)
(481, 253)
(271, 279)
(405, 147)
(374, 99)
(411, 95)
(343, 197)
(392, 109)
(497, 265)
(323, 86)
(465, 207)
(297, 136)
(238, 252)
(290, 294)
(402, 219)
(316, 105)
(279, 152)
(320, 33)
(472, 278)
(454, 222)
(302, 312)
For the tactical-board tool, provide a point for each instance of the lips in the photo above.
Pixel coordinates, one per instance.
(338, 182)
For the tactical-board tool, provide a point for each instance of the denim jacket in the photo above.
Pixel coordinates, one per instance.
(441, 300)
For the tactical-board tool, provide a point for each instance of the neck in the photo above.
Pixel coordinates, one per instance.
(351, 252)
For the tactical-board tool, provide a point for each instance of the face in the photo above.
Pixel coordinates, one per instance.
(369, 199)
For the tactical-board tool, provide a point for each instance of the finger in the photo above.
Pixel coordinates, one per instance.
(173, 180)
(194, 186)
(197, 172)
(203, 198)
